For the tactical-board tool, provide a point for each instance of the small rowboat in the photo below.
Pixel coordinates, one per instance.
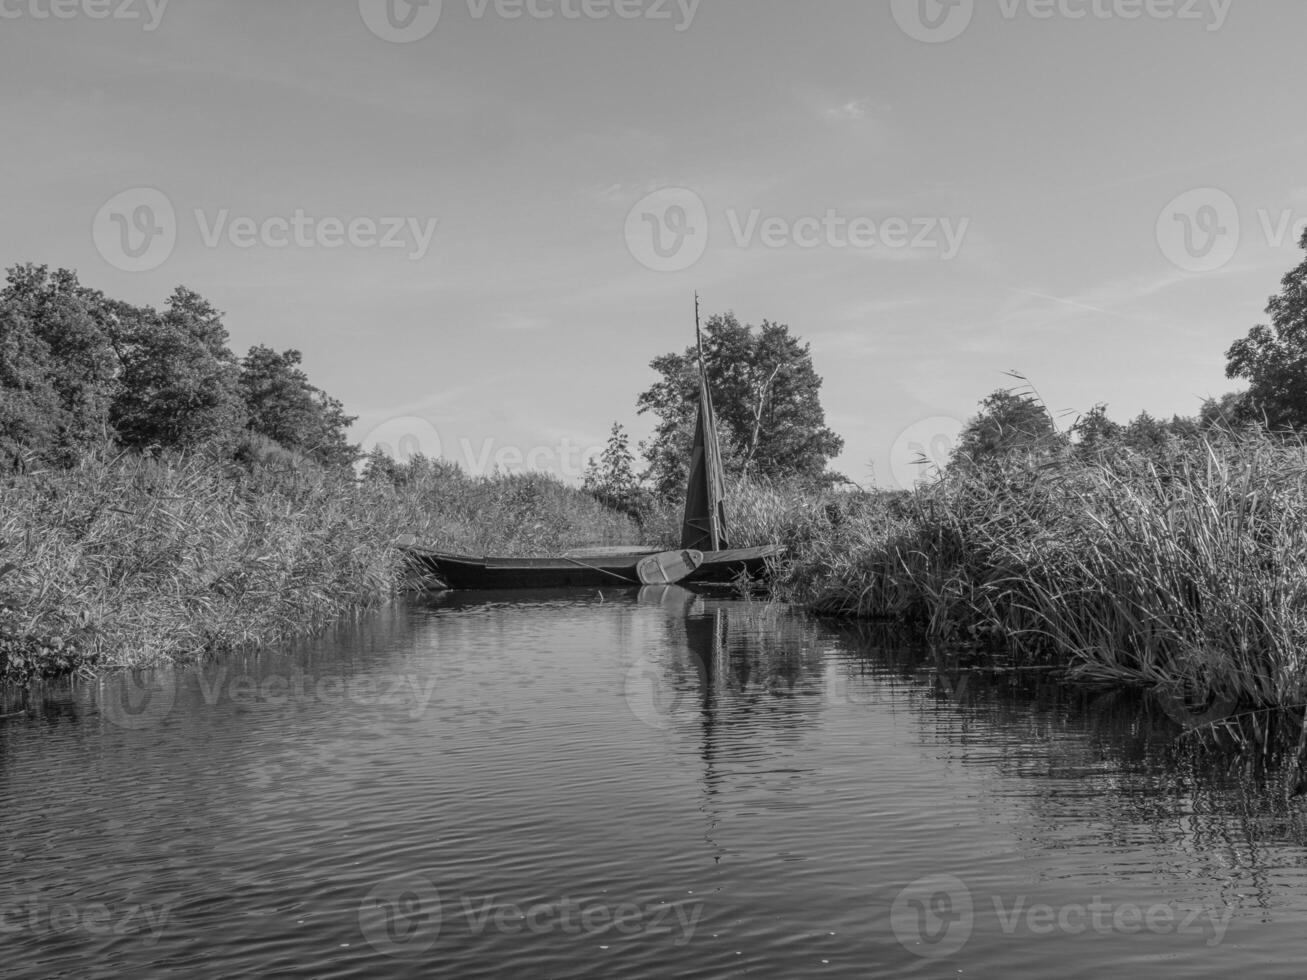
(705, 554)
(631, 569)
(462, 572)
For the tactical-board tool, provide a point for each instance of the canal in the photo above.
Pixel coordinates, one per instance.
(629, 785)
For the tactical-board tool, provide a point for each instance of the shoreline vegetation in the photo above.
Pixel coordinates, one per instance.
(166, 501)
(1182, 569)
(128, 561)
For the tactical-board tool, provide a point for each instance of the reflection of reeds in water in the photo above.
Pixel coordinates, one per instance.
(1184, 569)
(761, 650)
(1206, 813)
(130, 561)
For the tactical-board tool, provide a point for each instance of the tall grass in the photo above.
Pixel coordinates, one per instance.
(124, 560)
(1184, 571)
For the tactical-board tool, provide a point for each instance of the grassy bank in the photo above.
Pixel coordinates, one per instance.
(124, 560)
(1183, 570)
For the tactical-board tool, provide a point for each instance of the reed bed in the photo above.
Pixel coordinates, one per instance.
(130, 561)
(1183, 570)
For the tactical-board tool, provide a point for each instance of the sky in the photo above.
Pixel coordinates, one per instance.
(480, 220)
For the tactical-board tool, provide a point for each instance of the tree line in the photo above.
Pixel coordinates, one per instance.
(1271, 358)
(766, 395)
(772, 425)
(81, 371)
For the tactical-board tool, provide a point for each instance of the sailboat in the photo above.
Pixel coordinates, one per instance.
(705, 554)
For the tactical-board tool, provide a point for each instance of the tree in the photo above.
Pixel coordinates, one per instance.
(1146, 434)
(611, 478)
(1229, 411)
(1095, 433)
(1009, 421)
(1274, 359)
(285, 407)
(30, 410)
(57, 373)
(766, 395)
(179, 385)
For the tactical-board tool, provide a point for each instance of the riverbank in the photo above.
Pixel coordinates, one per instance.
(124, 560)
(1183, 569)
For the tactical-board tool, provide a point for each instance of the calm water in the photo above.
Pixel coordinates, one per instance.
(627, 786)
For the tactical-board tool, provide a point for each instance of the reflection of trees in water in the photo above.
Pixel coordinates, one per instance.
(745, 661)
(744, 679)
(52, 702)
(1111, 772)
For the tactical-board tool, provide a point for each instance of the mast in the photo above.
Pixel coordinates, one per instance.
(704, 525)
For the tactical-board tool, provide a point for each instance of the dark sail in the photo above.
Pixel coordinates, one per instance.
(704, 525)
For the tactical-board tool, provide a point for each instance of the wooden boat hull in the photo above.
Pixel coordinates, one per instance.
(724, 567)
(602, 571)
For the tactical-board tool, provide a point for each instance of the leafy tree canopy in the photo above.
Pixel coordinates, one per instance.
(1273, 359)
(611, 479)
(766, 395)
(179, 381)
(1009, 421)
(58, 367)
(285, 407)
(78, 370)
